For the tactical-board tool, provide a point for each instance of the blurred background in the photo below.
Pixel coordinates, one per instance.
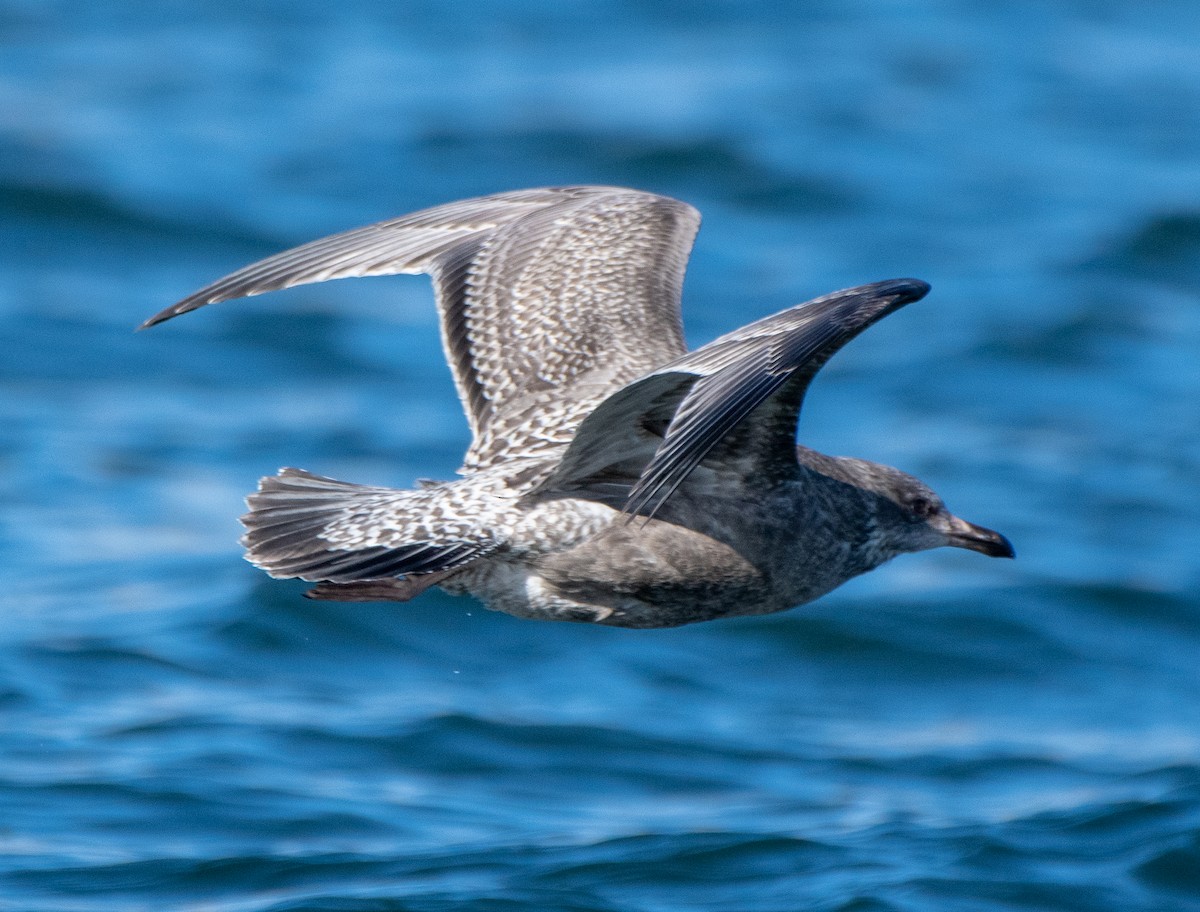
(948, 733)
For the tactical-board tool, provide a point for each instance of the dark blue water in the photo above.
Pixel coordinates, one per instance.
(949, 733)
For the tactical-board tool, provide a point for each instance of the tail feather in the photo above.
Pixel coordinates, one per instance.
(319, 529)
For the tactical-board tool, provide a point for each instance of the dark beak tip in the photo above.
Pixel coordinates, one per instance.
(1004, 548)
(985, 541)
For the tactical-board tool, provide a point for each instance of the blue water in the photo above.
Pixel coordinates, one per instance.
(948, 733)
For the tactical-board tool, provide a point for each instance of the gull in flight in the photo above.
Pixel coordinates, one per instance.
(613, 476)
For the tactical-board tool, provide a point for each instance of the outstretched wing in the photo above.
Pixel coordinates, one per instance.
(742, 390)
(549, 299)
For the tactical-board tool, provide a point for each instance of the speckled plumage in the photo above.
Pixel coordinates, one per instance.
(613, 476)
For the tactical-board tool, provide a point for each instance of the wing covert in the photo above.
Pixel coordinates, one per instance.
(555, 295)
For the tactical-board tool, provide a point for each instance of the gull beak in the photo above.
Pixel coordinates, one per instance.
(962, 534)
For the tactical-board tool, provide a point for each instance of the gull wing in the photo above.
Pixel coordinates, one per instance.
(549, 299)
(736, 398)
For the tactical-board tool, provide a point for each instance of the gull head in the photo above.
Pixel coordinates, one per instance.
(907, 515)
(912, 517)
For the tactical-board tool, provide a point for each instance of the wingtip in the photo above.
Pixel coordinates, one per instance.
(908, 289)
(161, 317)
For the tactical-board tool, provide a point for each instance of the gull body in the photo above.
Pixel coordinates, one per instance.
(613, 477)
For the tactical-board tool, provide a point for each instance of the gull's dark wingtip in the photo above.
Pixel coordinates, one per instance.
(188, 304)
(153, 321)
(163, 315)
(907, 290)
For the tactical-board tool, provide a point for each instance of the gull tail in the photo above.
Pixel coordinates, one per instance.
(322, 530)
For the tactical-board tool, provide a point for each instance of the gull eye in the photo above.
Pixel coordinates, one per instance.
(922, 507)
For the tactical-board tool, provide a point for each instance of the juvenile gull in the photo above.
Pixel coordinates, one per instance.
(613, 477)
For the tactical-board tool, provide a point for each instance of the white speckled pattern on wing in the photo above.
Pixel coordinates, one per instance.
(549, 299)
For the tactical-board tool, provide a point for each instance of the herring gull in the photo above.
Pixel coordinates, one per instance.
(613, 476)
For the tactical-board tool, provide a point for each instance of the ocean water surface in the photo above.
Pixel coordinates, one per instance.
(179, 732)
